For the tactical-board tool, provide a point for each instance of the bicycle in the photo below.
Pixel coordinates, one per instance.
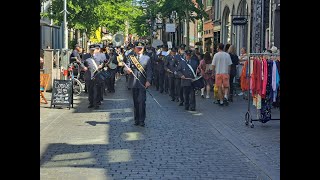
(77, 84)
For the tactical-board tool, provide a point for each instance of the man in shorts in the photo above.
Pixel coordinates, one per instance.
(221, 65)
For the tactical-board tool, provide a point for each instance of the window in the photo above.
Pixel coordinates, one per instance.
(216, 9)
(208, 4)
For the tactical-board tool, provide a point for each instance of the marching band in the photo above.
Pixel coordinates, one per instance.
(172, 72)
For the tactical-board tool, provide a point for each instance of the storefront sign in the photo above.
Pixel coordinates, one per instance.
(239, 21)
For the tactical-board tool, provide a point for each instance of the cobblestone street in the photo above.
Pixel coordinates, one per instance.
(211, 143)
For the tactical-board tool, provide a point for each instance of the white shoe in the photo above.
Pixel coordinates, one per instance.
(207, 96)
(240, 94)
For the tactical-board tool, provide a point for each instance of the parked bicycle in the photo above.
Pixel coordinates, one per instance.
(77, 84)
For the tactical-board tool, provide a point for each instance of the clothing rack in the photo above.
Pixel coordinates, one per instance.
(248, 117)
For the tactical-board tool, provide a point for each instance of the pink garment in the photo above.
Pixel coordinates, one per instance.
(265, 78)
(202, 67)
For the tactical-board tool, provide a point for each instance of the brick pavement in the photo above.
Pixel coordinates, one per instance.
(211, 143)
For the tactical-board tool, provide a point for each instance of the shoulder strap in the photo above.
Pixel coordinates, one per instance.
(137, 64)
(94, 63)
(194, 74)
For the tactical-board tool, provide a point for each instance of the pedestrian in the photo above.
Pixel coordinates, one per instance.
(242, 59)
(186, 71)
(221, 65)
(141, 68)
(233, 71)
(205, 68)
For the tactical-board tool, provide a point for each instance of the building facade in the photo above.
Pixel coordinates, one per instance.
(50, 35)
(261, 30)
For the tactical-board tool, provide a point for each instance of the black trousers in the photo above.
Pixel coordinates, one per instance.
(111, 80)
(172, 87)
(139, 101)
(103, 87)
(166, 82)
(94, 90)
(159, 80)
(189, 97)
(178, 89)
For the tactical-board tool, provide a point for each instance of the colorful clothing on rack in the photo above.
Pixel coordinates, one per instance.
(265, 78)
(275, 81)
(256, 76)
(257, 101)
(265, 112)
(243, 79)
(277, 102)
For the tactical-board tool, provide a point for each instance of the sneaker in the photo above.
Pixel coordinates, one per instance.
(207, 96)
(240, 94)
(220, 103)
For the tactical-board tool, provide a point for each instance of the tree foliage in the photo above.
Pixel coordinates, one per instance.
(164, 8)
(89, 15)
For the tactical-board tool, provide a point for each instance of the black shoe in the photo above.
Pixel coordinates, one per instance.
(172, 99)
(192, 109)
(157, 89)
(90, 106)
(186, 108)
(98, 103)
(142, 124)
(177, 100)
(225, 101)
(161, 92)
(181, 104)
(96, 107)
(129, 88)
(202, 96)
(136, 123)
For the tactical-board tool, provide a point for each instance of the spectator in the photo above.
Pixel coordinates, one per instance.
(206, 72)
(221, 65)
(242, 59)
(233, 71)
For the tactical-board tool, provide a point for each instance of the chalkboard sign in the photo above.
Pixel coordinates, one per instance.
(62, 93)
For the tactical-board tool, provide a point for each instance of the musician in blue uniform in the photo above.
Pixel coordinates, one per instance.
(93, 80)
(139, 85)
(177, 81)
(170, 68)
(112, 69)
(186, 71)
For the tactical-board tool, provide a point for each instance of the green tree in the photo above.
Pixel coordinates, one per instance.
(89, 15)
(186, 10)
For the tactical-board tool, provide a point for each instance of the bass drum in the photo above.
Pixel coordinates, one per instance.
(198, 83)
